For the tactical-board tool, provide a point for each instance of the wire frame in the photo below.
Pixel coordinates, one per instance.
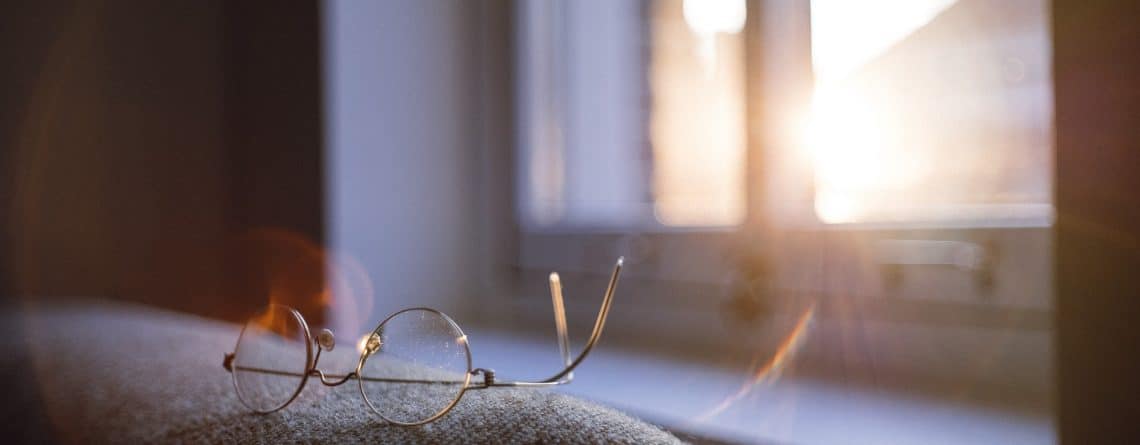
(304, 376)
(565, 376)
(368, 352)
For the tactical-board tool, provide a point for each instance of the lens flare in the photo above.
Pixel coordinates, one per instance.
(350, 295)
(771, 369)
(291, 269)
(284, 266)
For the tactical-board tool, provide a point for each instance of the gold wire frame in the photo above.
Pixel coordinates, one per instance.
(566, 375)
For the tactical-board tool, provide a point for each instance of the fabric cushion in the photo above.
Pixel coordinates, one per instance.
(113, 372)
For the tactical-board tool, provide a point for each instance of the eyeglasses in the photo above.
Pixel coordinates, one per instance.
(413, 368)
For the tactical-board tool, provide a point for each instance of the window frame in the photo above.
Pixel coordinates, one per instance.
(653, 275)
(723, 264)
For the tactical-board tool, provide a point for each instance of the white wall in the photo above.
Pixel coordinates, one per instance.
(401, 142)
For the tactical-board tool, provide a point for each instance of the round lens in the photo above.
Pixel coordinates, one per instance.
(415, 367)
(271, 358)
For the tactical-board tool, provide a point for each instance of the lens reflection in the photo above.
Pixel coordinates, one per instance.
(271, 358)
(419, 369)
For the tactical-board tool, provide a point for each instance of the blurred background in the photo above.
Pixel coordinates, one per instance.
(840, 218)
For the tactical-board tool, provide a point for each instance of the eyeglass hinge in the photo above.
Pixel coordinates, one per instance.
(488, 375)
(228, 362)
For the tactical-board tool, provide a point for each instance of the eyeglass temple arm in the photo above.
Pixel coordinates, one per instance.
(560, 319)
(567, 373)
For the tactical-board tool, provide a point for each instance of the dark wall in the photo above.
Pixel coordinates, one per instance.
(141, 139)
(271, 59)
(1097, 87)
(273, 124)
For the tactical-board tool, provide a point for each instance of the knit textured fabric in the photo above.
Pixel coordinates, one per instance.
(118, 373)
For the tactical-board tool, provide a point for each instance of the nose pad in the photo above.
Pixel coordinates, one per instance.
(326, 340)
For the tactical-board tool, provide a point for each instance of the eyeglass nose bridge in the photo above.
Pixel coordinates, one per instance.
(325, 342)
(325, 381)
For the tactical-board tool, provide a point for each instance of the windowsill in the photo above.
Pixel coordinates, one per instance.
(622, 230)
(1028, 216)
(679, 395)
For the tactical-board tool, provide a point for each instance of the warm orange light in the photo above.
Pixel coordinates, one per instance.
(697, 124)
(772, 368)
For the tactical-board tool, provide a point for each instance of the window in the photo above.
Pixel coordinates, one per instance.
(882, 166)
(902, 150)
(633, 114)
(931, 111)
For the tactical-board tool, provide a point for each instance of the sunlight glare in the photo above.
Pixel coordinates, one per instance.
(713, 16)
(707, 18)
(847, 34)
(697, 123)
(854, 141)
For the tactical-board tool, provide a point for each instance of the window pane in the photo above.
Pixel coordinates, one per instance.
(632, 113)
(931, 110)
(697, 123)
